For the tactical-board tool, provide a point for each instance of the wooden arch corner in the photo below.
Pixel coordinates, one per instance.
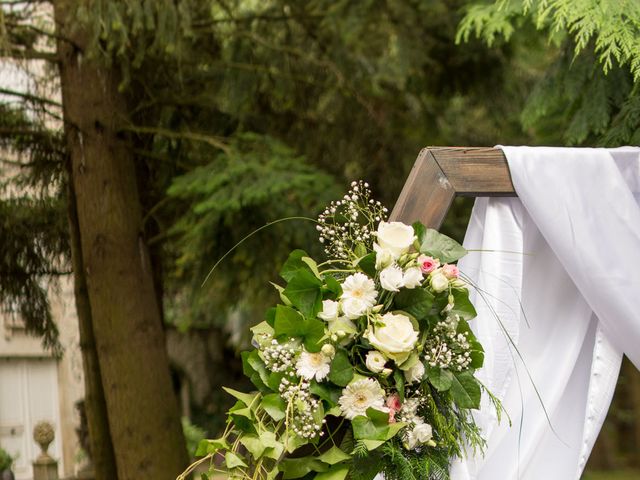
(442, 173)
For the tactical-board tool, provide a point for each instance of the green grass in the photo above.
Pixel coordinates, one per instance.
(612, 475)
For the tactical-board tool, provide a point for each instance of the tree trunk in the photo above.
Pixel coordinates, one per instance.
(102, 456)
(632, 377)
(142, 407)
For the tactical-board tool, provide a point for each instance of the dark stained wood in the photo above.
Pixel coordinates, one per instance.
(426, 195)
(441, 173)
(475, 172)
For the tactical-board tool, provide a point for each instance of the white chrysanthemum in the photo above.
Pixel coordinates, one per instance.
(358, 295)
(361, 287)
(313, 365)
(360, 395)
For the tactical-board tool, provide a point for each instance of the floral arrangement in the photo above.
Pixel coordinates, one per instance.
(366, 366)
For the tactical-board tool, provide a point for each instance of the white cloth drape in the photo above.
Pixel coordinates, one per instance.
(558, 303)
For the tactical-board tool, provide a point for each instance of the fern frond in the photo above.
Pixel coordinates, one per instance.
(610, 27)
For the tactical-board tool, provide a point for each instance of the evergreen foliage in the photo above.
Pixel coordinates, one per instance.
(587, 96)
(257, 180)
(33, 230)
(611, 28)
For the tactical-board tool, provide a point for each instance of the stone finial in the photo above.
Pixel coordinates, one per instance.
(43, 434)
(44, 467)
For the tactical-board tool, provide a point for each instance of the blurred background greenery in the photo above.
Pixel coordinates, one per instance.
(240, 112)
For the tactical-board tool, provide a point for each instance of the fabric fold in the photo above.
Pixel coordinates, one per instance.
(555, 318)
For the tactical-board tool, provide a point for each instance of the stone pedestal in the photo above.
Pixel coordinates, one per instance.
(44, 467)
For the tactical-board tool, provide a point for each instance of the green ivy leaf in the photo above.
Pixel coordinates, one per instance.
(465, 390)
(290, 323)
(299, 467)
(274, 405)
(206, 447)
(232, 460)
(253, 444)
(415, 301)
(313, 266)
(375, 426)
(338, 472)
(247, 398)
(333, 286)
(254, 368)
(326, 392)
(305, 293)
(368, 264)
(341, 371)
(437, 245)
(293, 264)
(334, 455)
(440, 378)
(462, 305)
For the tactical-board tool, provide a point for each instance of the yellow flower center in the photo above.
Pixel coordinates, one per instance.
(316, 359)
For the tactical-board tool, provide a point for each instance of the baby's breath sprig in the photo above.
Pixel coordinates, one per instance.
(447, 348)
(350, 221)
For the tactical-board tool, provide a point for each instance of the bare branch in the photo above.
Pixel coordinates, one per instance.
(198, 137)
(29, 54)
(30, 97)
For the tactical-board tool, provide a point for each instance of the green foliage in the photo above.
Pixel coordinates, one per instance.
(341, 371)
(5, 460)
(465, 390)
(401, 464)
(193, 436)
(437, 245)
(259, 180)
(33, 223)
(610, 27)
(587, 96)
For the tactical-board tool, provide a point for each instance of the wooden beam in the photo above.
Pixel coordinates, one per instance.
(426, 195)
(475, 172)
(441, 173)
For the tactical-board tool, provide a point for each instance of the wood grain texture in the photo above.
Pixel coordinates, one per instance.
(441, 173)
(475, 172)
(426, 195)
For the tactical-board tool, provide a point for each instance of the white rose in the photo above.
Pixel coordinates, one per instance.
(384, 257)
(395, 237)
(394, 337)
(423, 432)
(354, 307)
(415, 373)
(412, 277)
(329, 310)
(375, 361)
(420, 434)
(391, 278)
(439, 283)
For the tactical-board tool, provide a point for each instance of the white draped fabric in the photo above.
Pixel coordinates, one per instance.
(558, 271)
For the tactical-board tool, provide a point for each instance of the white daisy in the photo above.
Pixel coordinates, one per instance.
(360, 395)
(313, 365)
(358, 295)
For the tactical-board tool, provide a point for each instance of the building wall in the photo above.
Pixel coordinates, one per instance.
(34, 386)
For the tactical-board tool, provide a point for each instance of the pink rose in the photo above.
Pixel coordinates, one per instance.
(428, 264)
(450, 271)
(394, 406)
